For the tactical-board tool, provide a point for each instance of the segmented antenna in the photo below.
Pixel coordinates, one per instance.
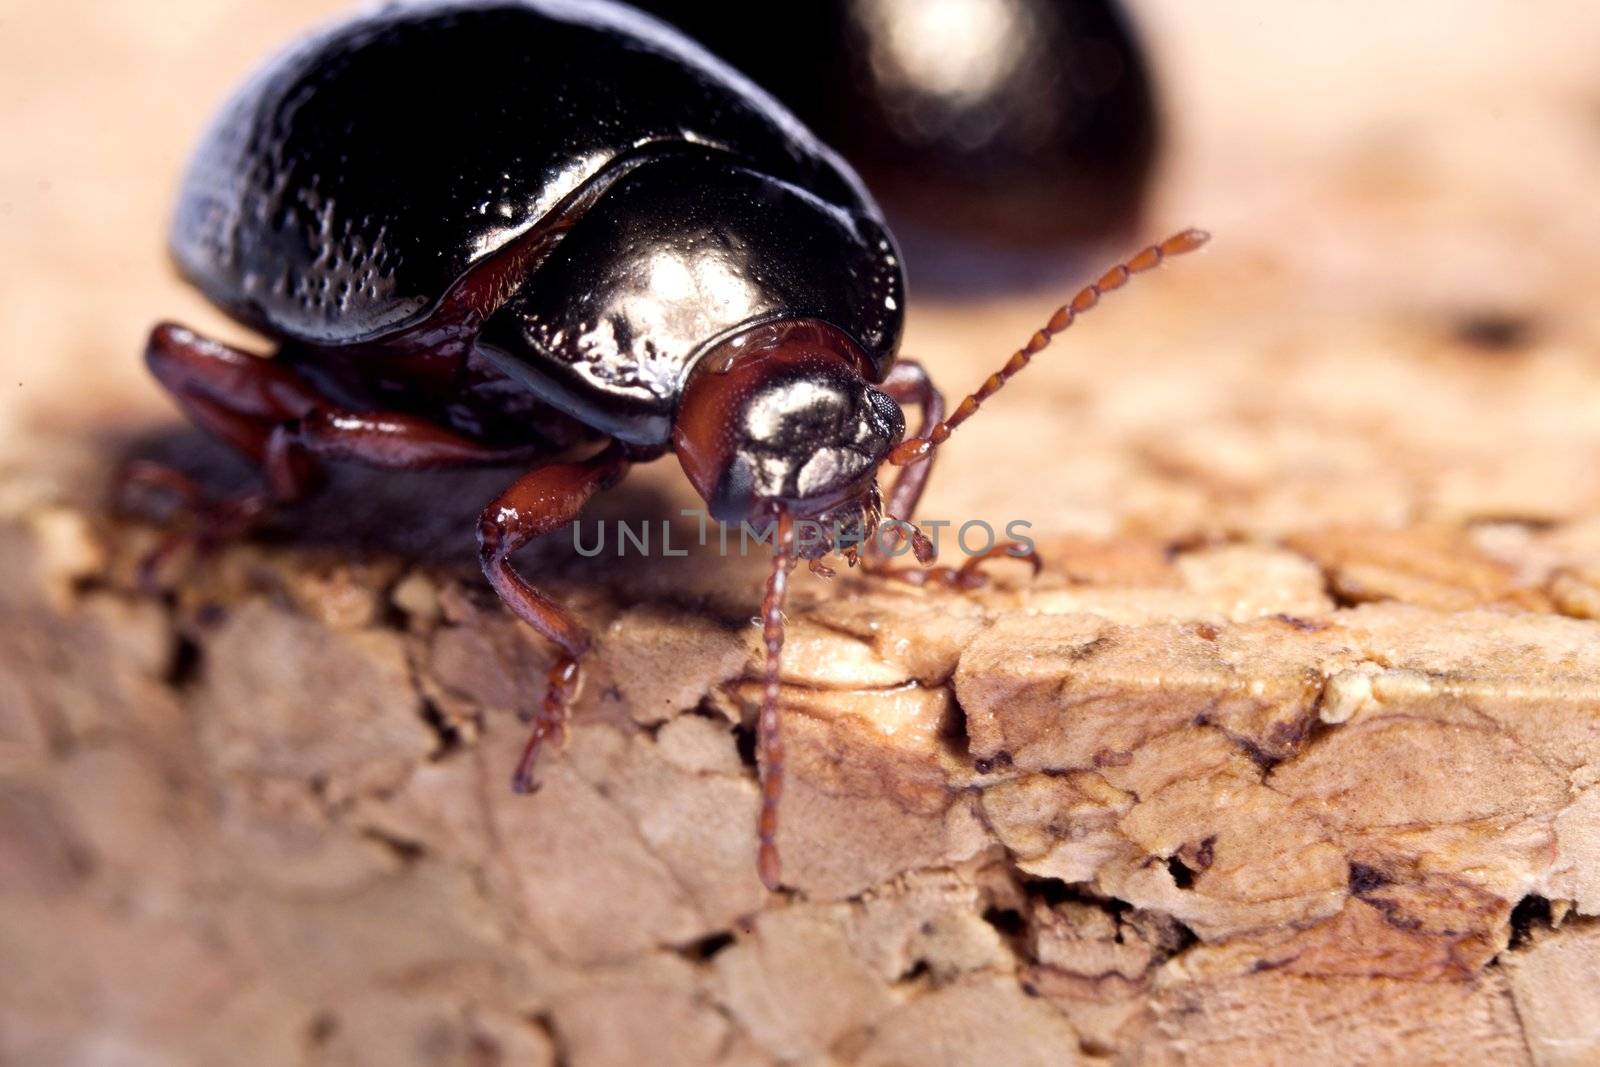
(769, 739)
(1149, 258)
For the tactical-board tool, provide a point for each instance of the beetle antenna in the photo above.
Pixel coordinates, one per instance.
(769, 739)
(1148, 258)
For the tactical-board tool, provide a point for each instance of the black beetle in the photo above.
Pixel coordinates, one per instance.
(500, 232)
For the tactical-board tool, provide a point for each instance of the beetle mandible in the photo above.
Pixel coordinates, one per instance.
(506, 231)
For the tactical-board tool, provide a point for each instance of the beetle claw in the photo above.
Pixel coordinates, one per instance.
(522, 780)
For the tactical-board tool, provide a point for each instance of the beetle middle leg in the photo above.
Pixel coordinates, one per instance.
(543, 500)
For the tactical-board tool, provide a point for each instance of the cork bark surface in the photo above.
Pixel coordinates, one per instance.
(1291, 754)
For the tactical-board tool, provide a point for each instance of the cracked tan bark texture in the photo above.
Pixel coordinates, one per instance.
(1158, 805)
(1291, 755)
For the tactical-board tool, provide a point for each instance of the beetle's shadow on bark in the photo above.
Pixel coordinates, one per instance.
(421, 516)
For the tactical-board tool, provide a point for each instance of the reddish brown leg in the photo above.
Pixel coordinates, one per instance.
(210, 522)
(374, 438)
(268, 412)
(908, 383)
(539, 502)
(970, 574)
(231, 394)
(234, 396)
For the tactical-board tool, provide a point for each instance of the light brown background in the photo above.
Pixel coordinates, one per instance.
(1372, 171)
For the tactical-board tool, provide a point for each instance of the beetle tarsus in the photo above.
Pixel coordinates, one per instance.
(561, 689)
(972, 568)
(969, 575)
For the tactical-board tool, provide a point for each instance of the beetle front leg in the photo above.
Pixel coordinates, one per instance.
(908, 383)
(537, 503)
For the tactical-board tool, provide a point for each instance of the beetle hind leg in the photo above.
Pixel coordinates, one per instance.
(236, 397)
(268, 412)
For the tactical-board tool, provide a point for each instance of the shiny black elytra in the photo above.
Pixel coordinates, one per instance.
(486, 233)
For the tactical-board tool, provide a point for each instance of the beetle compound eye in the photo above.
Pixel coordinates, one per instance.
(888, 420)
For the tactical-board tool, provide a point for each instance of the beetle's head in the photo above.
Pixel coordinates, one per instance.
(781, 417)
